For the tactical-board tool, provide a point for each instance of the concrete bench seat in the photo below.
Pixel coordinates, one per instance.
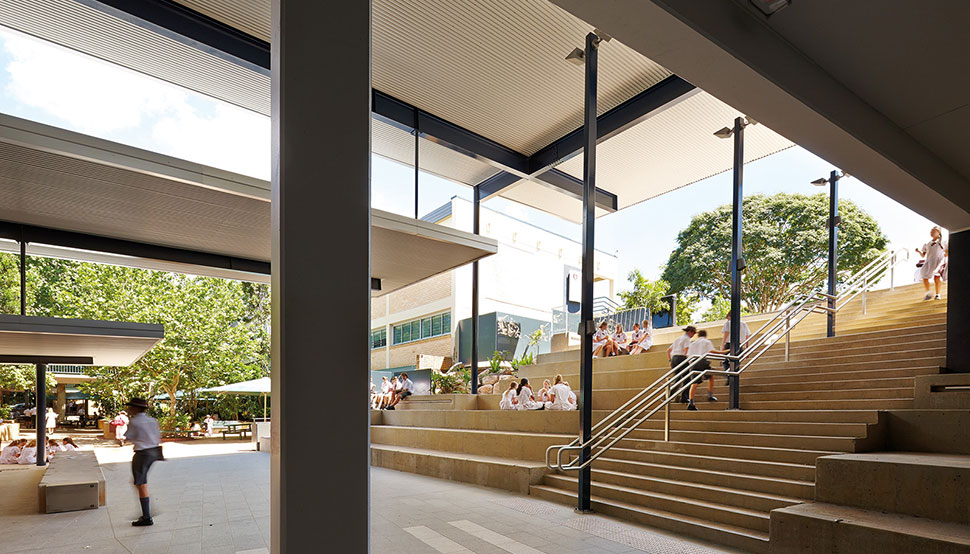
(73, 481)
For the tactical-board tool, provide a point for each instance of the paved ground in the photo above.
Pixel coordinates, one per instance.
(212, 497)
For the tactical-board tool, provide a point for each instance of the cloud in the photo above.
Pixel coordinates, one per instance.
(64, 88)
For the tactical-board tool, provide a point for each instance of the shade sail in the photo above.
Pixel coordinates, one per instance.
(252, 387)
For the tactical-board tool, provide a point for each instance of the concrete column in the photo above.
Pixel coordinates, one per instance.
(321, 94)
(60, 405)
(958, 304)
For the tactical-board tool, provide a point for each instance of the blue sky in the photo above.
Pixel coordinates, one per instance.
(60, 87)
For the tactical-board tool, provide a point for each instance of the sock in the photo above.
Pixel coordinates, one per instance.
(145, 512)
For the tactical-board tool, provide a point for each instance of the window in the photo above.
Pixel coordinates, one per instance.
(378, 338)
(424, 328)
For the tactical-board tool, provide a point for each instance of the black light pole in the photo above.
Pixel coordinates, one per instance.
(586, 309)
(833, 225)
(23, 277)
(417, 147)
(476, 209)
(41, 416)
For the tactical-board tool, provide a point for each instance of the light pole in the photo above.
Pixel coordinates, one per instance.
(737, 263)
(833, 224)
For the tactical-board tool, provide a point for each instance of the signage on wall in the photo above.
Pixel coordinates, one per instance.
(574, 287)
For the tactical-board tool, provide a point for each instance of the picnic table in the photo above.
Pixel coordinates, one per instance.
(235, 428)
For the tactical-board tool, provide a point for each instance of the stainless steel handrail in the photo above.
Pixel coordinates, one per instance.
(675, 381)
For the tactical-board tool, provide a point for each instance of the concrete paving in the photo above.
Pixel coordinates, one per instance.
(213, 497)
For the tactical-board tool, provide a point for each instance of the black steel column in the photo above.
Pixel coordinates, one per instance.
(958, 304)
(833, 247)
(586, 309)
(417, 148)
(734, 401)
(23, 277)
(41, 417)
(476, 213)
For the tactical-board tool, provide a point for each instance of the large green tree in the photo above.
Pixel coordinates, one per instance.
(645, 293)
(785, 244)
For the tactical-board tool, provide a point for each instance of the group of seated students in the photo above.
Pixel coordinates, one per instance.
(22, 451)
(557, 396)
(605, 344)
(391, 392)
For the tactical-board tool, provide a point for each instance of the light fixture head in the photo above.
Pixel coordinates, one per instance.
(576, 57)
(820, 182)
(724, 132)
(770, 7)
(750, 121)
(603, 36)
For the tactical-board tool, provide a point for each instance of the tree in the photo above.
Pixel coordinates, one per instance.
(785, 246)
(648, 294)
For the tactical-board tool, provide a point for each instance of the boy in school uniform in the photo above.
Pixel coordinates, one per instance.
(700, 347)
(677, 351)
(145, 436)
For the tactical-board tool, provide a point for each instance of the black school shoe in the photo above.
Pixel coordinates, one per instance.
(142, 522)
(691, 406)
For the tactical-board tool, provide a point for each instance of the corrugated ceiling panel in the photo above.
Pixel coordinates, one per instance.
(672, 149)
(74, 25)
(52, 190)
(398, 145)
(497, 66)
(541, 197)
(249, 16)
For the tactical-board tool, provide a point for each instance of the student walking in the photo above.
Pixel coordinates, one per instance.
(677, 352)
(726, 338)
(145, 436)
(700, 347)
(934, 255)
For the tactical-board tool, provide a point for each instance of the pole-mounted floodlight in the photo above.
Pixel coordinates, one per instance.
(578, 55)
(833, 226)
(771, 7)
(727, 132)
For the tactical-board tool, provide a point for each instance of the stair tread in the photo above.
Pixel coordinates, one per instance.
(708, 471)
(733, 460)
(683, 483)
(885, 521)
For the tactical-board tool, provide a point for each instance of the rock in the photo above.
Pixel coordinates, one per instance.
(490, 379)
(485, 389)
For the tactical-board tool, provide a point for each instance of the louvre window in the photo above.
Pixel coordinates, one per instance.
(424, 328)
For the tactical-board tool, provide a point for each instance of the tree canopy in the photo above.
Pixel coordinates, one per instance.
(648, 294)
(785, 244)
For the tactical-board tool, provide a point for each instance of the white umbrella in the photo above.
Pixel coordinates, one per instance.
(249, 388)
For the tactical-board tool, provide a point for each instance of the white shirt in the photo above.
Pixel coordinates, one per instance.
(68, 447)
(679, 347)
(700, 347)
(619, 338)
(9, 455)
(143, 432)
(572, 400)
(407, 385)
(28, 455)
(506, 402)
(744, 334)
(51, 419)
(638, 335)
(526, 402)
(385, 387)
(561, 401)
(599, 337)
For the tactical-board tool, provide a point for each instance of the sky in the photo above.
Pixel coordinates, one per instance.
(53, 85)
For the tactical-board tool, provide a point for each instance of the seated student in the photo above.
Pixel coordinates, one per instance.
(572, 396)
(527, 400)
(195, 430)
(700, 347)
(406, 390)
(394, 386)
(28, 454)
(52, 447)
(510, 398)
(11, 453)
(639, 341)
(380, 394)
(543, 394)
(68, 444)
(620, 340)
(559, 396)
(602, 344)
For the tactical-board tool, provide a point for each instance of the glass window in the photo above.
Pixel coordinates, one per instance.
(405, 333)
(446, 322)
(426, 328)
(436, 325)
(416, 329)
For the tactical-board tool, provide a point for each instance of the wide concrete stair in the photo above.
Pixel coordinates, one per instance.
(721, 473)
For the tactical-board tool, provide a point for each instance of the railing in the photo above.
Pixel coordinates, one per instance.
(624, 420)
(68, 369)
(564, 321)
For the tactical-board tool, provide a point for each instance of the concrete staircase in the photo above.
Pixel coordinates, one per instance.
(722, 472)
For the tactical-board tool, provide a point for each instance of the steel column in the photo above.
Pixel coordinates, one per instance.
(23, 276)
(833, 225)
(417, 149)
(41, 416)
(734, 401)
(476, 214)
(586, 308)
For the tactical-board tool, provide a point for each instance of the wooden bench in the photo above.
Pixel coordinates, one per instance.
(241, 429)
(72, 481)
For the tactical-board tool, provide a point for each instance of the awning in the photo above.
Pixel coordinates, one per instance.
(30, 339)
(253, 387)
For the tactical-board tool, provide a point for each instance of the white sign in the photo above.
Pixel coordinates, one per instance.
(574, 287)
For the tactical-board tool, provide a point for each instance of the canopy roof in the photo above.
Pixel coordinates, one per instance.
(505, 105)
(30, 339)
(253, 387)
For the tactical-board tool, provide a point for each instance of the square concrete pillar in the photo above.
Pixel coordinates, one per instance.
(321, 95)
(60, 403)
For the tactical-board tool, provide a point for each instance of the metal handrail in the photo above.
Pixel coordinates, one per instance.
(673, 383)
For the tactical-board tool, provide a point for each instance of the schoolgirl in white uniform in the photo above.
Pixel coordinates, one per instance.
(68, 445)
(527, 400)
(11, 453)
(543, 394)
(641, 340)
(602, 344)
(510, 398)
(559, 397)
(28, 454)
(620, 340)
(934, 255)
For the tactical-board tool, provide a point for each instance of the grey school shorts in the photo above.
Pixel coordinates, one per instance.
(142, 461)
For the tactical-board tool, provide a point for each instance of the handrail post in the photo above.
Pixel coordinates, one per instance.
(865, 285)
(787, 337)
(667, 413)
(892, 272)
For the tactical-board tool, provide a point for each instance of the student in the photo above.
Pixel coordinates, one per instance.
(572, 395)
(602, 345)
(195, 430)
(620, 340)
(68, 444)
(381, 396)
(51, 420)
(934, 255)
(726, 338)
(700, 347)
(28, 454)
(527, 400)
(677, 352)
(209, 423)
(637, 339)
(146, 438)
(120, 423)
(52, 447)
(11, 453)
(406, 390)
(543, 394)
(559, 396)
(510, 398)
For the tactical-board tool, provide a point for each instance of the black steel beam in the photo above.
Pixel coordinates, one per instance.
(67, 360)
(83, 241)
(613, 122)
(555, 179)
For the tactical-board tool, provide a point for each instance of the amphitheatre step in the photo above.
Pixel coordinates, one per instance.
(710, 462)
(837, 356)
(797, 442)
(527, 446)
(821, 527)
(828, 394)
(772, 387)
(855, 404)
(488, 471)
(771, 427)
(933, 486)
(790, 456)
(728, 535)
(907, 342)
(791, 488)
(835, 365)
(835, 374)
(807, 416)
(494, 420)
(676, 503)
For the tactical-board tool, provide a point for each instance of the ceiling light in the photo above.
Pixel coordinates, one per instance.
(725, 132)
(820, 182)
(769, 7)
(576, 57)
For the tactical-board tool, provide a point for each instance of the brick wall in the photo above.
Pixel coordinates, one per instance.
(378, 307)
(406, 354)
(419, 294)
